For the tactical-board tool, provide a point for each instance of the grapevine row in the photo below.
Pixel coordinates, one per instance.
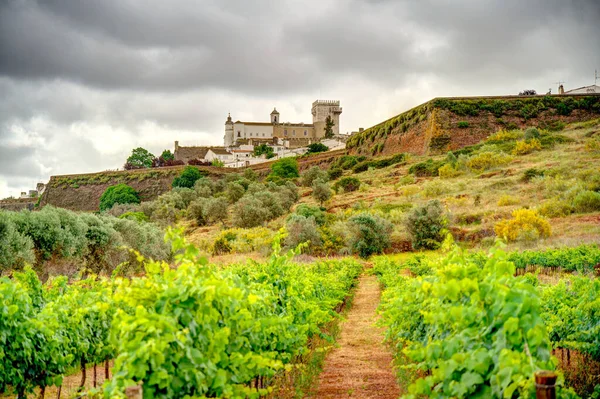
(194, 331)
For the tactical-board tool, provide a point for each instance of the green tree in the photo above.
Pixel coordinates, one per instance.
(370, 234)
(264, 149)
(139, 158)
(286, 168)
(187, 178)
(167, 155)
(118, 194)
(329, 124)
(218, 163)
(426, 225)
(321, 191)
(316, 147)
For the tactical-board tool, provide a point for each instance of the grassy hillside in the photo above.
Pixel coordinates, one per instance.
(487, 183)
(444, 124)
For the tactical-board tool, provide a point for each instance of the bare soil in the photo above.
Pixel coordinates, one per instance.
(361, 367)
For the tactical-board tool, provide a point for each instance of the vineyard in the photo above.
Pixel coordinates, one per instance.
(194, 331)
(463, 325)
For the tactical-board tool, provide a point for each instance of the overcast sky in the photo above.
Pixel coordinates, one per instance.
(84, 82)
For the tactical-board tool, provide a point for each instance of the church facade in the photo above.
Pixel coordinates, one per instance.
(295, 134)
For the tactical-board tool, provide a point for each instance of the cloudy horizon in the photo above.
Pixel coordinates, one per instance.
(83, 83)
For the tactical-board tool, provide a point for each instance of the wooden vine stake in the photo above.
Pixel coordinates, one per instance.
(545, 385)
(134, 392)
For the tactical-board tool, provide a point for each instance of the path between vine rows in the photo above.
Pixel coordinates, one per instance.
(361, 365)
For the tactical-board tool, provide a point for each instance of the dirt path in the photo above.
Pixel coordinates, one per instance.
(361, 367)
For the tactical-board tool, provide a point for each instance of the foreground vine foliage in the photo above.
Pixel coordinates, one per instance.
(193, 331)
(466, 330)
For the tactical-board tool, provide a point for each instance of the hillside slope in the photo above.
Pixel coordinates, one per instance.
(81, 192)
(444, 124)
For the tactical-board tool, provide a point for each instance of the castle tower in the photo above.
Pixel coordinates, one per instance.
(321, 109)
(275, 116)
(228, 139)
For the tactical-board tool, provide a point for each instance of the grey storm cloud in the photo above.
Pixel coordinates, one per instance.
(103, 76)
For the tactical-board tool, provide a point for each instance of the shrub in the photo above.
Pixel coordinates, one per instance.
(532, 173)
(321, 191)
(204, 188)
(532, 133)
(250, 174)
(361, 167)
(335, 173)
(523, 147)
(426, 225)
(587, 201)
(317, 147)
(271, 203)
(249, 212)
(286, 168)
(487, 160)
(119, 209)
(196, 211)
(311, 211)
(137, 216)
(287, 194)
(555, 208)
(188, 177)
(463, 124)
(313, 174)
(370, 234)
(215, 210)
(302, 229)
(434, 188)
(504, 136)
(427, 168)
(348, 184)
(118, 194)
(234, 192)
(448, 171)
(187, 194)
(16, 249)
(526, 225)
(347, 161)
(208, 210)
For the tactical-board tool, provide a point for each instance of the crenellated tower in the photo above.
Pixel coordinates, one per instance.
(321, 109)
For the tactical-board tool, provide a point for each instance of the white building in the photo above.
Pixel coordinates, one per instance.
(219, 153)
(593, 89)
(296, 134)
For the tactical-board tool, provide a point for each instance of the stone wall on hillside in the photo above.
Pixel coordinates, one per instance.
(82, 192)
(18, 204)
(441, 125)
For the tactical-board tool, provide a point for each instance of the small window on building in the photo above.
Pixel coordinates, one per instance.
(306, 132)
(239, 134)
(263, 135)
(293, 132)
(250, 134)
(285, 132)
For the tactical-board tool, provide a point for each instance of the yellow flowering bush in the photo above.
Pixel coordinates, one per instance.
(523, 147)
(448, 171)
(507, 200)
(505, 135)
(487, 160)
(526, 225)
